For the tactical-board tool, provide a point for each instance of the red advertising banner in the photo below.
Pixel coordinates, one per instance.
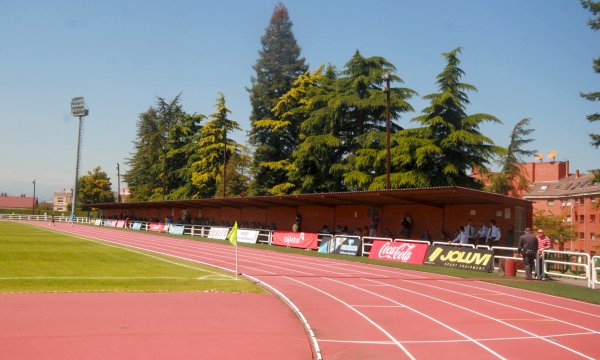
(295, 239)
(398, 251)
(158, 227)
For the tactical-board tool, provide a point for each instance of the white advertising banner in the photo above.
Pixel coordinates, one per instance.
(247, 236)
(219, 233)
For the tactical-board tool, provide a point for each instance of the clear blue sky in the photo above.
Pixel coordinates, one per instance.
(528, 59)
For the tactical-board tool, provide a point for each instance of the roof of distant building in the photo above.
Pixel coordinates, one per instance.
(16, 202)
(572, 185)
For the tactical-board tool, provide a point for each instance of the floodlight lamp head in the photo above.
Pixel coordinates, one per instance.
(78, 108)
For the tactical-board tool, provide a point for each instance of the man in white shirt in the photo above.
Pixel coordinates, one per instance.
(470, 231)
(493, 235)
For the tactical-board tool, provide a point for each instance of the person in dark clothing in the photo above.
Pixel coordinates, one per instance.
(528, 246)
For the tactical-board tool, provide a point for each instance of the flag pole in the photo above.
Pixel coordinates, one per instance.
(236, 261)
(232, 236)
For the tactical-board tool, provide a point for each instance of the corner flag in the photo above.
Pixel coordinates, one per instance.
(232, 235)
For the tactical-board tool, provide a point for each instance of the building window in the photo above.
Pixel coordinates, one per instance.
(593, 200)
(60, 201)
(563, 202)
(568, 218)
(568, 202)
(581, 218)
(592, 218)
(581, 235)
(550, 203)
(543, 187)
(593, 236)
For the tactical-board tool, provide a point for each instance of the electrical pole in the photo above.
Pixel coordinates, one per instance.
(118, 184)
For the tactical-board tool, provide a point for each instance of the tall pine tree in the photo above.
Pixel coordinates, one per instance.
(279, 64)
(214, 148)
(449, 144)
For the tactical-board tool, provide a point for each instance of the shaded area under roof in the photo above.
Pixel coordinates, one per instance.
(435, 197)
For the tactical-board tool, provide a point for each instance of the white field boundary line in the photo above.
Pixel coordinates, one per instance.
(461, 334)
(128, 248)
(451, 341)
(242, 261)
(497, 292)
(175, 251)
(281, 258)
(166, 244)
(152, 248)
(506, 306)
(369, 320)
(485, 315)
(207, 277)
(244, 258)
(339, 264)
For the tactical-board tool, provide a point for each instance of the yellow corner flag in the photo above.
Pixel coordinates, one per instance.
(232, 235)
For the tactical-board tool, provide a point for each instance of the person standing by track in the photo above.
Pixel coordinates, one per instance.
(544, 243)
(528, 247)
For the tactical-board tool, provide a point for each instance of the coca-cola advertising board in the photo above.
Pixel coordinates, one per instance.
(301, 240)
(398, 251)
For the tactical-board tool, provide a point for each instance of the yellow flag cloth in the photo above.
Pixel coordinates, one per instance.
(232, 234)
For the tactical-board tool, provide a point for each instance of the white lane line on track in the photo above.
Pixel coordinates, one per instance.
(497, 292)
(506, 305)
(474, 341)
(451, 341)
(489, 317)
(396, 342)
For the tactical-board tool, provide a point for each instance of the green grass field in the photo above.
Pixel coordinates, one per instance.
(40, 260)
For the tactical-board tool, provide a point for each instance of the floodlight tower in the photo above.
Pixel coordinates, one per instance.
(78, 109)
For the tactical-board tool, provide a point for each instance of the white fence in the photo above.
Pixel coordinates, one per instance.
(566, 264)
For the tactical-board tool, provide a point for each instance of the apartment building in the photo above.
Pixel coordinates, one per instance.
(575, 196)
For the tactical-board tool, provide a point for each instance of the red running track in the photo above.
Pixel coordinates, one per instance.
(362, 311)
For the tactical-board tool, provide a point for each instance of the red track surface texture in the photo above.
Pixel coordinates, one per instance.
(359, 311)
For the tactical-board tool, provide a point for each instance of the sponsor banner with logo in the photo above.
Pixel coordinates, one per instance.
(176, 229)
(398, 251)
(219, 233)
(136, 226)
(247, 236)
(301, 240)
(157, 227)
(108, 223)
(460, 258)
(119, 223)
(98, 222)
(346, 245)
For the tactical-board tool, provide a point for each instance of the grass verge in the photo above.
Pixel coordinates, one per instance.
(39, 260)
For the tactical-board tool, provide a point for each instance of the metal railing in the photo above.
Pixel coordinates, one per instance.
(567, 264)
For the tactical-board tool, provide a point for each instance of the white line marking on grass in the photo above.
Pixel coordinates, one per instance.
(207, 277)
(128, 248)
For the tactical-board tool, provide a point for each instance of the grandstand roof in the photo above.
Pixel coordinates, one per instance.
(435, 197)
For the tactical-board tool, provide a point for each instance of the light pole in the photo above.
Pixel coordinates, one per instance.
(224, 158)
(118, 184)
(386, 90)
(78, 109)
(33, 206)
